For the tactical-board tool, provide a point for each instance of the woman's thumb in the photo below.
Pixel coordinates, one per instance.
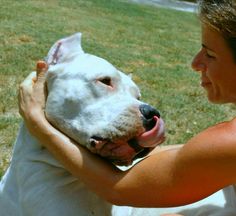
(41, 70)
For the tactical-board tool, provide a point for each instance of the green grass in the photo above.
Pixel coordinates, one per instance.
(156, 45)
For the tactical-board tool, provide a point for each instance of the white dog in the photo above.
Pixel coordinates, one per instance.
(93, 103)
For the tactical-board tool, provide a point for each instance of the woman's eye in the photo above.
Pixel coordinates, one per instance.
(210, 54)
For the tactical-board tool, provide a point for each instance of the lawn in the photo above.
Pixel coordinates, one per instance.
(155, 45)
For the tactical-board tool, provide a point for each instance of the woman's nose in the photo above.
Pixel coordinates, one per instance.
(198, 63)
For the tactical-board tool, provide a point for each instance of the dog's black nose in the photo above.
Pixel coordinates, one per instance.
(148, 111)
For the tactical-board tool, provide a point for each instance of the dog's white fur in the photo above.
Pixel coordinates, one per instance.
(82, 105)
(87, 98)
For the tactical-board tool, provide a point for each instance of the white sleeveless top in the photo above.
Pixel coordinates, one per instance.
(230, 197)
(221, 203)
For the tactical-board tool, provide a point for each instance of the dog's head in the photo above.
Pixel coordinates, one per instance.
(97, 105)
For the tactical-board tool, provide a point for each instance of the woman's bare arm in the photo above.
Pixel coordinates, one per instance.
(167, 178)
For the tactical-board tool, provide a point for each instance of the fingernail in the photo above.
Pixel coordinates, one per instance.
(41, 65)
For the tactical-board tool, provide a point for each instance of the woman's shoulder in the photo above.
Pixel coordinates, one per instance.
(229, 125)
(223, 131)
(217, 142)
(211, 155)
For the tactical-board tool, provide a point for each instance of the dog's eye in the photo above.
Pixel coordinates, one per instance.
(106, 81)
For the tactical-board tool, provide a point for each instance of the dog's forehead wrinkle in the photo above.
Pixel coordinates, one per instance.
(93, 65)
(86, 67)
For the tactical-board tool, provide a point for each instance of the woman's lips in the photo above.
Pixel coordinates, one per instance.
(154, 136)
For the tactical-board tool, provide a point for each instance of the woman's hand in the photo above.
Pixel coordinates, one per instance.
(32, 95)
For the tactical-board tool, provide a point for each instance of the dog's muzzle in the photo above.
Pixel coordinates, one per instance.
(123, 152)
(148, 113)
(149, 118)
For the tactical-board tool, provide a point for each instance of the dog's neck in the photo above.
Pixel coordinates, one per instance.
(28, 148)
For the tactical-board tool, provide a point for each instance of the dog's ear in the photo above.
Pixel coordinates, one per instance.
(64, 49)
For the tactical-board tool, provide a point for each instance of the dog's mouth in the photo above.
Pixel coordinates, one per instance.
(154, 133)
(147, 141)
(123, 152)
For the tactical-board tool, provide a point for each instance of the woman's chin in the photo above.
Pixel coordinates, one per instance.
(214, 100)
(218, 100)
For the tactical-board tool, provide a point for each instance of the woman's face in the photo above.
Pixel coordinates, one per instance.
(217, 67)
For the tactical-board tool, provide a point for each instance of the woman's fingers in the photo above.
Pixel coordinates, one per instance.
(28, 81)
(32, 92)
(41, 69)
(25, 92)
(26, 87)
(40, 92)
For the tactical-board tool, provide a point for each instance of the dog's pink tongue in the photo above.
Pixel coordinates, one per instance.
(154, 136)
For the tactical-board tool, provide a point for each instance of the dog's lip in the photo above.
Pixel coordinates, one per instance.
(154, 136)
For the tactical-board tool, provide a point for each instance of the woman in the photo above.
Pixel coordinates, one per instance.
(179, 175)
